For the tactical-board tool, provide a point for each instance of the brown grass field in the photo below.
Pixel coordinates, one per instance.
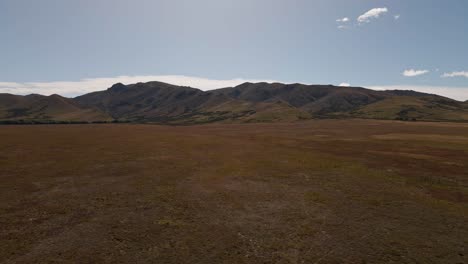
(323, 191)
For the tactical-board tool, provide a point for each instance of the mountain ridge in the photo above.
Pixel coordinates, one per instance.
(158, 102)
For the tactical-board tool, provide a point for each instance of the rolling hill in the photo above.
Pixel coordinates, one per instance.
(158, 102)
(53, 108)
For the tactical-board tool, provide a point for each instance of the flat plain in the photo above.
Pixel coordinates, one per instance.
(319, 191)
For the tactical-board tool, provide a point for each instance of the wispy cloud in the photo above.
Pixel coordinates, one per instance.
(344, 84)
(455, 74)
(372, 14)
(343, 20)
(396, 17)
(457, 93)
(74, 88)
(413, 73)
(343, 23)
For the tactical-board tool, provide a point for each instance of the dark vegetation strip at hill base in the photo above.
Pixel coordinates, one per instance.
(55, 122)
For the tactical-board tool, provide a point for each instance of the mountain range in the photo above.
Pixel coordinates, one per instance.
(157, 102)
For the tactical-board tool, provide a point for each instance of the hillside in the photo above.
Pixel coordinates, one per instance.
(427, 108)
(39, 108)
(158, 102)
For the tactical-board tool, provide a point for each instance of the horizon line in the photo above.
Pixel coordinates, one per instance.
(73, 89)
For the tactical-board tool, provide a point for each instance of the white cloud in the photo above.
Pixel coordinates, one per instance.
(396, 17)
(455, 74)
(343, 20)
(342, 27)
(73, 88)
(413, 73)
(344, 84)
(373, 13)
(457, 93)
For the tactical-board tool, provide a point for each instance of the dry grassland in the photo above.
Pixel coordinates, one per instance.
(327, 191)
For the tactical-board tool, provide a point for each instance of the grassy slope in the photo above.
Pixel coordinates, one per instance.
(45, 108)
(412, 108)
(237, 111)
(330, 191)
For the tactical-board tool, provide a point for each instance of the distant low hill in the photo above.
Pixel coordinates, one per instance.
(158, 102)
(40, 108)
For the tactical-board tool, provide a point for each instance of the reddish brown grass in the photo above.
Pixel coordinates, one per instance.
(330, 191)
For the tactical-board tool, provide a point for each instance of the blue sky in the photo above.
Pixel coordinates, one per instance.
(72, 47)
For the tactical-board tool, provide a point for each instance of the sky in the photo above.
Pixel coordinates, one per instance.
(72, 47)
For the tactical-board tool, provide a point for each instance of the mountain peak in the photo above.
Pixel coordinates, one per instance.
(118, 87)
